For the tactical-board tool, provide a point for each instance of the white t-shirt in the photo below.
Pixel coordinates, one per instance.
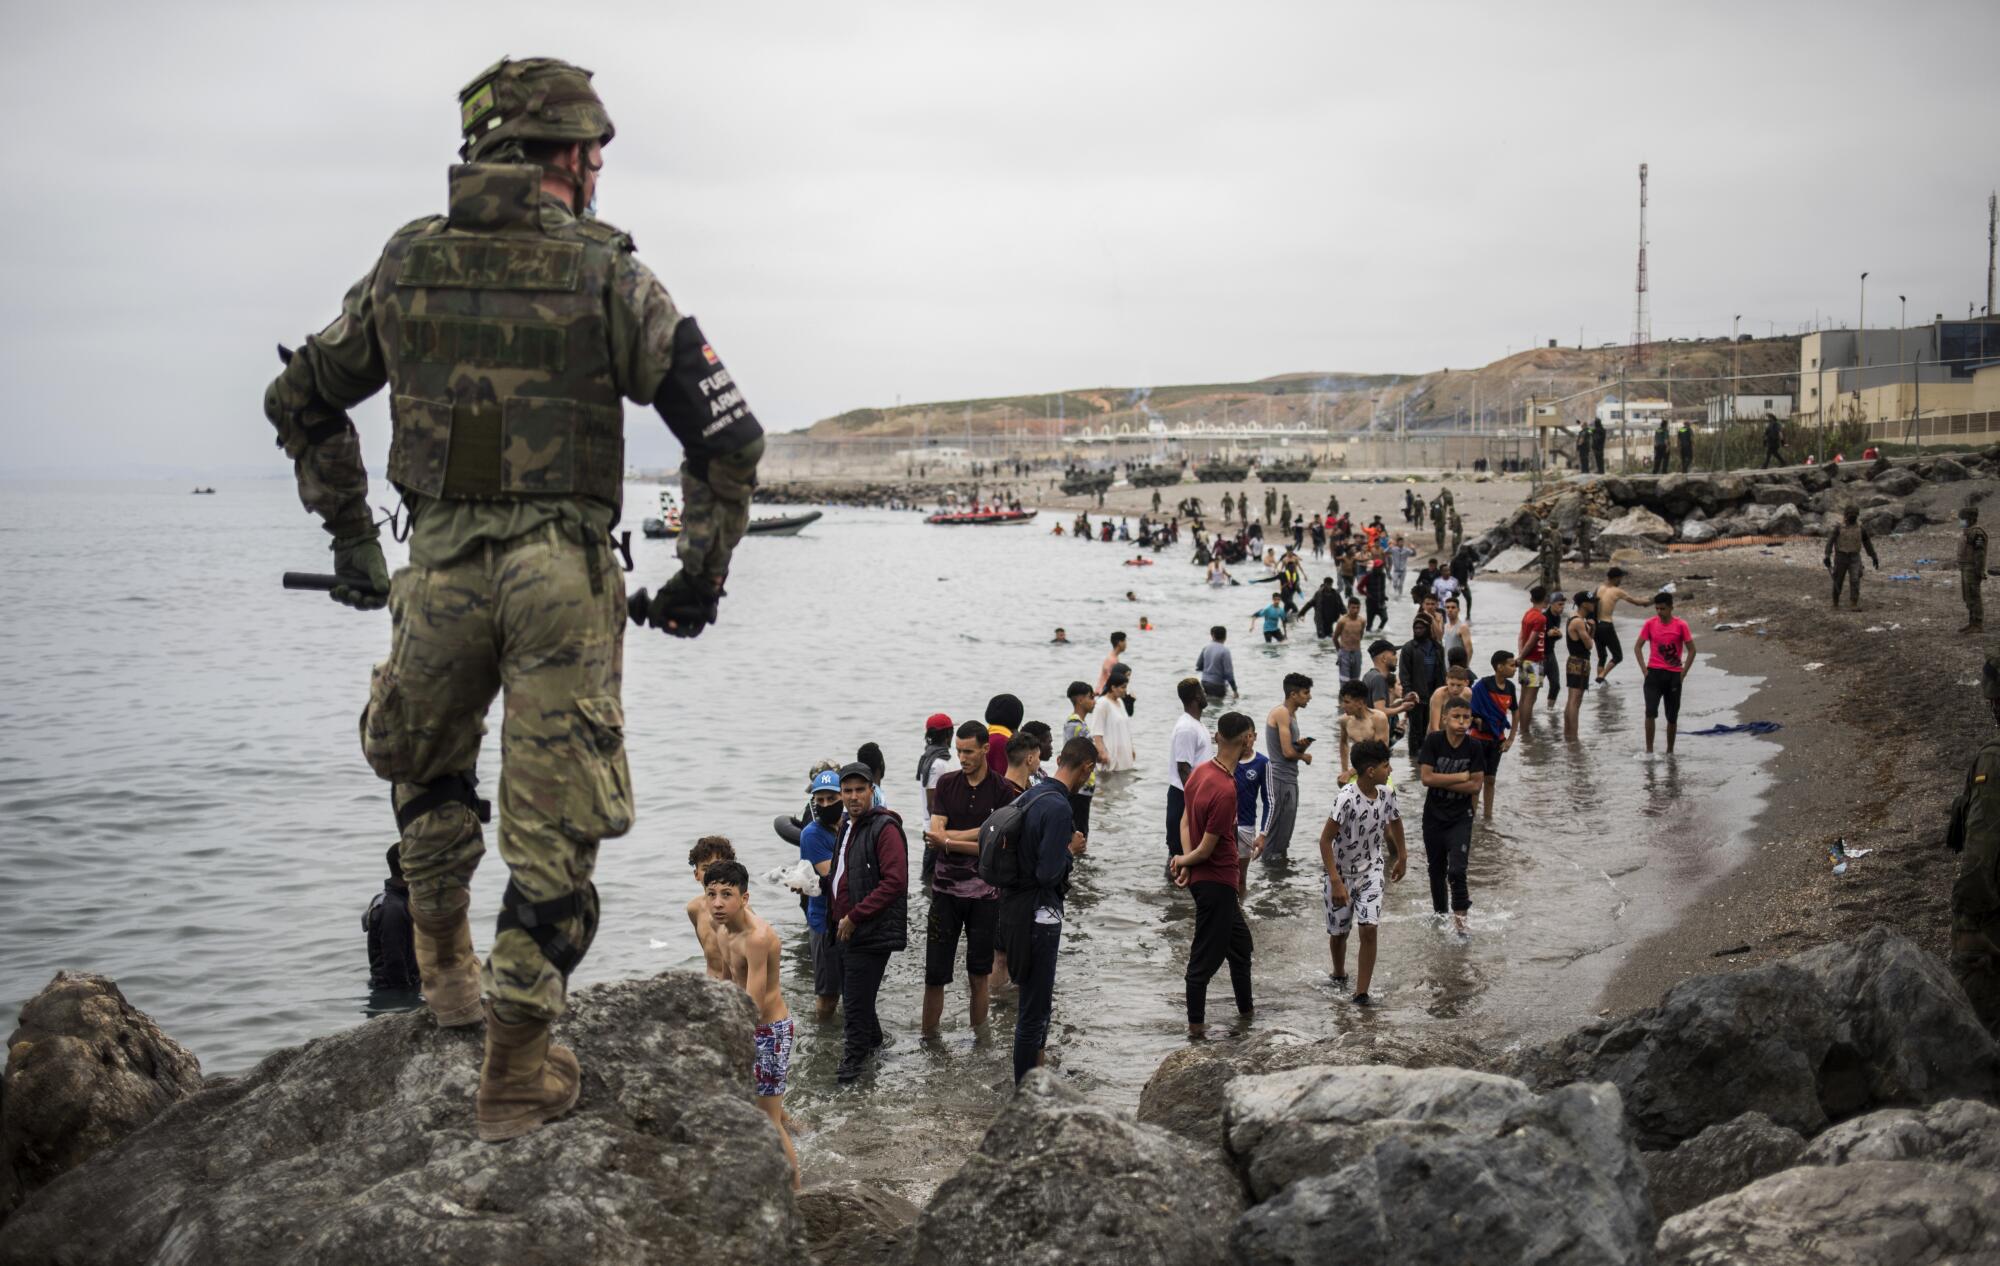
(1191, 746)
(1116, 730)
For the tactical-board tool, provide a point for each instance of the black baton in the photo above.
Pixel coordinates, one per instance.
(323, 582)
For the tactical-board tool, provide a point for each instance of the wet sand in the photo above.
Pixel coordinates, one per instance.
(1873, 750)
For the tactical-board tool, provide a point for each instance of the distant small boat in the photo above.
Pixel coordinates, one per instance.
(779, 525)
(979, 518)
(204, 492)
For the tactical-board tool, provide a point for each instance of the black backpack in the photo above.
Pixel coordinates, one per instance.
(1000, 861)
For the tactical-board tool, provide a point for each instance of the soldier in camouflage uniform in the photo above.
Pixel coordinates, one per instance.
(1550, 557)
(1974, 834)
(1437, 521)
(1972, 568)
(1843, 555)
(1457, 526)
(510, 330)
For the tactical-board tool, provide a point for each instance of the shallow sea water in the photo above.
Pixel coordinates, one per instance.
(183, 805)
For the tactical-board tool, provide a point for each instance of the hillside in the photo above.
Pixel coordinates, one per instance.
(1348, 401)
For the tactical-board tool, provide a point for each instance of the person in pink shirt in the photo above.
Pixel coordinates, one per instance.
(1668, 646)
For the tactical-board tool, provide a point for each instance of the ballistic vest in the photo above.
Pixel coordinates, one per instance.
(493, 328)
(1847, 538)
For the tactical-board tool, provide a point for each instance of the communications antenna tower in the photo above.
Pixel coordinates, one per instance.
(1642, 331)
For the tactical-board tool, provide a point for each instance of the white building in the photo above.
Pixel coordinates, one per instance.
(1643, 413)
(1753, 408)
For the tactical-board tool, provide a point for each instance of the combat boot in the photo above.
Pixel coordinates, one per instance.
(445, 961)
(527, 1079)
(1971, 626)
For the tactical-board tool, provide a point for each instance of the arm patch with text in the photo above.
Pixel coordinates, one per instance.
(700, 402)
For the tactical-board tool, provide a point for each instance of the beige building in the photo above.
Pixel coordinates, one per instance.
(1933, 383)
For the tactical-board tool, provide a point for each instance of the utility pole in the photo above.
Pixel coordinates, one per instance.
(1642, 332)
(1992, 238)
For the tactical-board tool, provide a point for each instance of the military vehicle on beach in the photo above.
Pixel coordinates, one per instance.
(1293, 471)
(1154, 476)
(1078, 482)
(1218, 470)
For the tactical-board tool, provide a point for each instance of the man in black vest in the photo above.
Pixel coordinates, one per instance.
(869, 904)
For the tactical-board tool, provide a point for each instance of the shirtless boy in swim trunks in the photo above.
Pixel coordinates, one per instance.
(1359, 723)
(1347, 631)
(752, 958)
(1610, 653)
(707, 851)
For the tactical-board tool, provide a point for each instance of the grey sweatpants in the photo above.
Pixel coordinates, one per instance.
(1284, 813)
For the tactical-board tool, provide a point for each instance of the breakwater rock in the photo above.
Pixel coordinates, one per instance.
(884, 494)
(1833, 1107)
(359, 1148)
(85, 1068)
(1647, 512)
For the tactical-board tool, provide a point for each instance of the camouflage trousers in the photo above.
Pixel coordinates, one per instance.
(1975, 926)
(1969, 580)
(520, 617)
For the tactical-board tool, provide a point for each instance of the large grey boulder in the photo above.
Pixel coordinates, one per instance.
(1873, 1213)
(1719, 1160)
(1897, 482)
(1697, 531)
(1785, 520)
(1637, 529)
(1825, 1035)
(1433, 1166)
(856, 1224)
(1945, 470)
(1727, 490)
(1780, 494)
(1957, 1132)
(84, 1069)
(1880, 521)
(1185, 1093)
(358, 1149)
(1059, 1180)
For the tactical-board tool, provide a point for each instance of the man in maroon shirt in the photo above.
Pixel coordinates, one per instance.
(1207, 868)
(869, 908)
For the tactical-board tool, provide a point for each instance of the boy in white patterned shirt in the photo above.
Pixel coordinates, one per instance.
(1351, 847)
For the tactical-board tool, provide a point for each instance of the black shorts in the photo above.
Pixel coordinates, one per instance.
(1608, 647)
(1489, 756)
(1577, 674)
(977, 917)
(1663, 685)
(1274, 635)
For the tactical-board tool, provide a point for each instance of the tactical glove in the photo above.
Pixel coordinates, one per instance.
(685, 604)
(357, 560)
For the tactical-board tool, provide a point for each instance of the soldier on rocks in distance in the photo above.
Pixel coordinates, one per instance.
(510, 331)
(1972, 568)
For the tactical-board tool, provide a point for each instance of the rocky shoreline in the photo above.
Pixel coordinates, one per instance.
(1653, 511)
(1836, 1106)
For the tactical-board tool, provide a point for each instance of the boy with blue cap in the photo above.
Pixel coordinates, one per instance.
(817, 844)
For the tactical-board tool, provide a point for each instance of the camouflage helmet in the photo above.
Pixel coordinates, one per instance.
(1990, 676)
(539, 99)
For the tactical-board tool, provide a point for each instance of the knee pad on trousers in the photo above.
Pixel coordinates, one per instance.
(457, 788)
(543, 920)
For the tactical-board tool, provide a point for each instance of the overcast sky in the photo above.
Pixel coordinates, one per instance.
(869, 201)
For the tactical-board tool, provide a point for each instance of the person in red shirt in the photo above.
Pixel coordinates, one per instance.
(1207, 866)
(1531, 651)
(1669, 647)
